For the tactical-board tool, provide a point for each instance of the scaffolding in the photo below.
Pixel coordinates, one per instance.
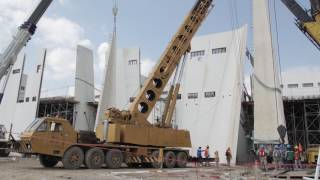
(302, 120)
(62, 107)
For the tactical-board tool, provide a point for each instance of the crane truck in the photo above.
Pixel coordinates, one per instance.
(126, 136)
(9, 57)
(307, 21)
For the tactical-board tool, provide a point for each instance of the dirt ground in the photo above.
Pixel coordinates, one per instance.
(29, 169)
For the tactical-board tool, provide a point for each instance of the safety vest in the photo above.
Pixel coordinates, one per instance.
(262, 153)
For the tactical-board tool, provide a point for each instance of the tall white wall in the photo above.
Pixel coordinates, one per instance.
(267, 95)
(301, 83)
(121, 80)
(10, 97)
(213, 121)
(26, 111)
(109, 95)
(84, 90)
(128, 74)
(21, 112)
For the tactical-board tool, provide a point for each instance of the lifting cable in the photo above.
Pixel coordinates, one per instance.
(273, 62)
(277, 39)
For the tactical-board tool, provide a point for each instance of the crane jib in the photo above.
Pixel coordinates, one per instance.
(155, 84)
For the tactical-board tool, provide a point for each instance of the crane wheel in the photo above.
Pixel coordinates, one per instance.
(48, 161)
(114, 159)
(73, 158)
(182, 160)
(169, 159)
(94, 158)
(155, 155)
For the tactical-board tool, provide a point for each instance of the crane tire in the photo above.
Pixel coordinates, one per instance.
(156, 164)
(94, 158)
(73, 158)
(169, 159)
(182, 159)
(48, 161)
(114, 159)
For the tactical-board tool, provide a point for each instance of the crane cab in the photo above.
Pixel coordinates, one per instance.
(51, 136)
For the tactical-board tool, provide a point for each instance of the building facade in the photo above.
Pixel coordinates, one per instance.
(211, 91)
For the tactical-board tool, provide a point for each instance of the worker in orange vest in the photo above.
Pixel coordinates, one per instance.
(263, 158)
(207, 155)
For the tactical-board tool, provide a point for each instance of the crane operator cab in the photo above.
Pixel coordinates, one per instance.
(48, 136)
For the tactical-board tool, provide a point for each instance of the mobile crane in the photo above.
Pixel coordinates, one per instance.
(9, 57)
(307, 22)
(26, 30)
(125, 136)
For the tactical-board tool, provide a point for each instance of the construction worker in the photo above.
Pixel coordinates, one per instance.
(277, 156)
(297, 159)
(207, 155)
(262, 158)
(283, 151)
(289, 158)
(228, 156)
(216, 158)
(199, 155)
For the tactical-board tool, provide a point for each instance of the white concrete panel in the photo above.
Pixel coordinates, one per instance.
(26, 111)
(108, 96)
(302, 86)
(84, 90)
(9, 101)
(268, 105)
(213, 121)
(128, 65)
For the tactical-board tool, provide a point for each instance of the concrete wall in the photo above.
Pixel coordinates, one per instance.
(84, 90)
(128, 65)
(121, 79)
(267, 95)
(214, 68)
(21, 112)
(108, 96)
(9, 101)
(301, 83)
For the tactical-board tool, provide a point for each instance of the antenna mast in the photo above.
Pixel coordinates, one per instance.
(115, 13)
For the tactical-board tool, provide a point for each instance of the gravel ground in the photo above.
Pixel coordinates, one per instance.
(17, 168)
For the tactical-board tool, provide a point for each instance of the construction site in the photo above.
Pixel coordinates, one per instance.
(148, 90)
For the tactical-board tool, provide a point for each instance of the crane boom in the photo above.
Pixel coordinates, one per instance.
(153, 87)
(26, 30)
(309, 24)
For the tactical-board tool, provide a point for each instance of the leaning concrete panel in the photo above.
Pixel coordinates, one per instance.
(26, 110)
(109, 94)
(84, 90)
(211, 91)
(9, 101)
(268, 105)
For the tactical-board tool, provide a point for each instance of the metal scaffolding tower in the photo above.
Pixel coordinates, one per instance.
(303, 121)
(57, 107)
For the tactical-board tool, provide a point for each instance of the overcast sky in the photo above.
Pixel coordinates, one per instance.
(148, 24)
